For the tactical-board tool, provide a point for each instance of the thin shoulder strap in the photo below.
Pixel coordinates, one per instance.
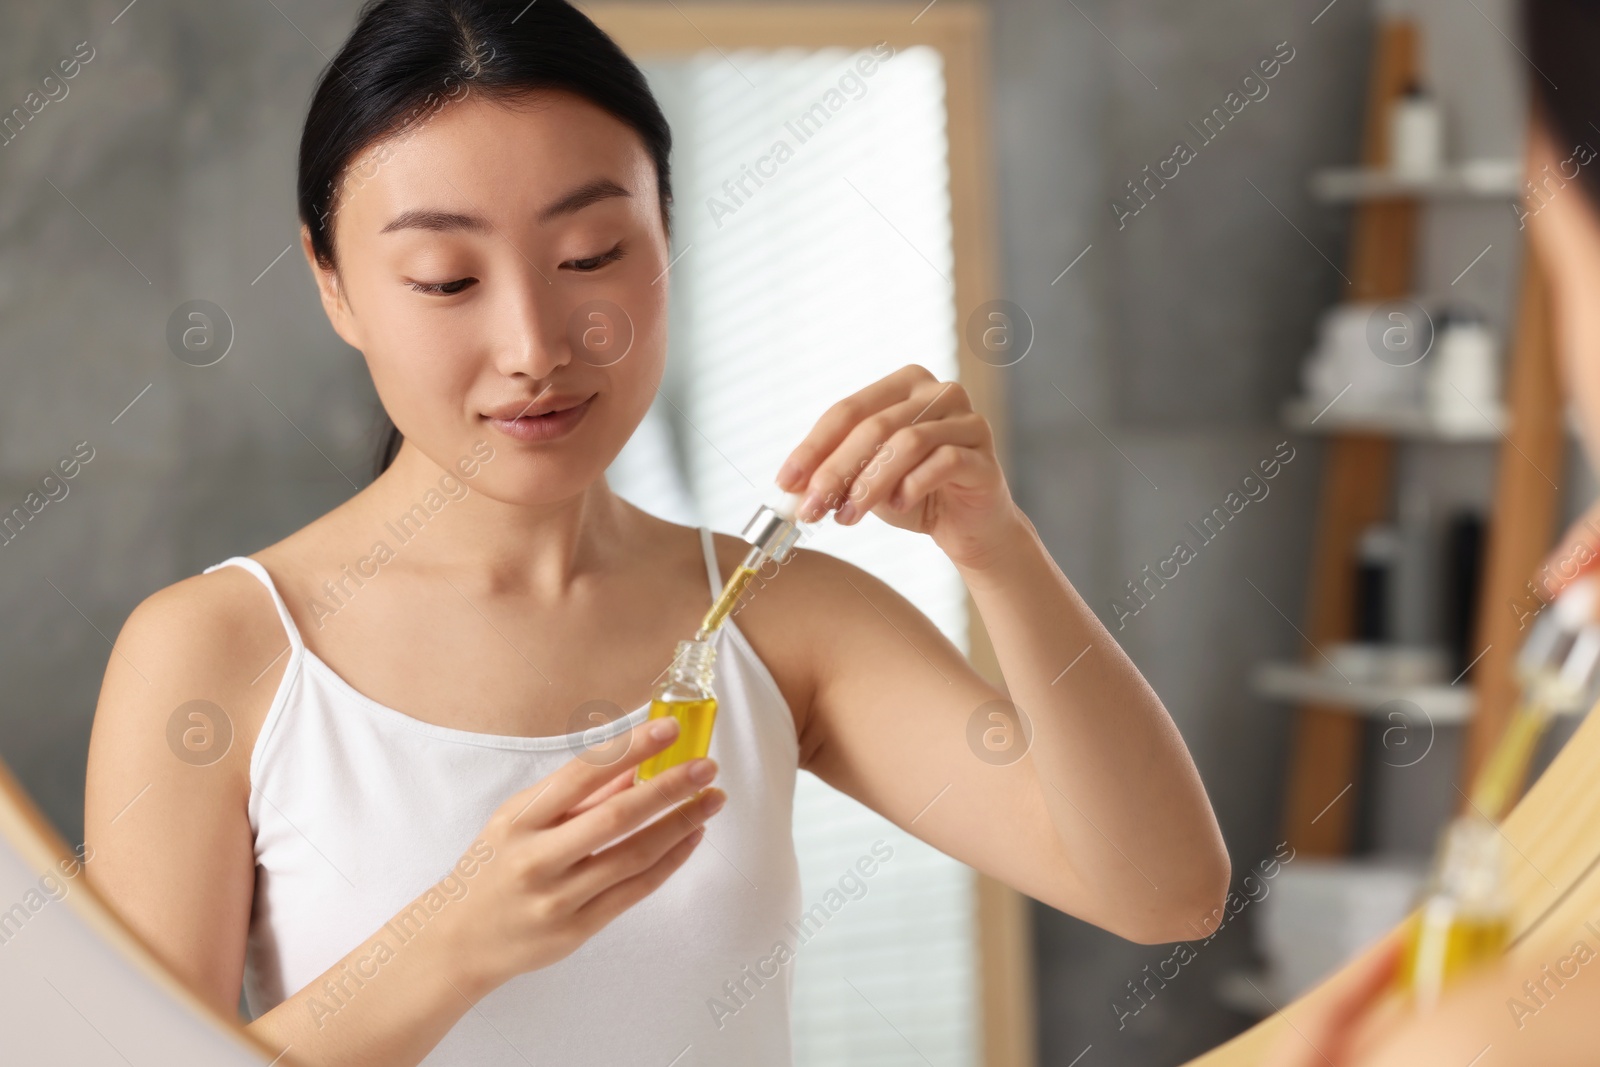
(260, 572)
(713, 572)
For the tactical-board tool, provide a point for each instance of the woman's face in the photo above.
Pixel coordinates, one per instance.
(500, 254)
(1564, 227)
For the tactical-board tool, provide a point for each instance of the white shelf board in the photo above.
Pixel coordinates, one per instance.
(1308, 417)
(1297, 683)
(1486, 178)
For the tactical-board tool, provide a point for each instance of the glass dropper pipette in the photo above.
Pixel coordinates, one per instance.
(1558, 672)
(772, 533)
(689, 693)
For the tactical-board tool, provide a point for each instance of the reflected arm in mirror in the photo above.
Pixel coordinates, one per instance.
(1493, 1019)
(1519, 1010)
(1087, 800)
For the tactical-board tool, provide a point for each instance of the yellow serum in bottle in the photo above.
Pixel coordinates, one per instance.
(685, 695)
(1465, 918)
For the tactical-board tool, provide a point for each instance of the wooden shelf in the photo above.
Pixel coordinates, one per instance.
(1484, 178)
(1414, 423)
(1294, 682)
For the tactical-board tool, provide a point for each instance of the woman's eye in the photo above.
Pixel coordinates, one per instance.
(594, 263)
(443, 288)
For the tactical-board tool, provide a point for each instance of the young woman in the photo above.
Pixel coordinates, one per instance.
(1351, 1023)
(350, 770)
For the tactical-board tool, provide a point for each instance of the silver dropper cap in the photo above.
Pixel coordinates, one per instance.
(774, 530)
(1560, 660)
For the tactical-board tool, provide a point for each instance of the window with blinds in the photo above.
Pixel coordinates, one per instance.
(813, 256)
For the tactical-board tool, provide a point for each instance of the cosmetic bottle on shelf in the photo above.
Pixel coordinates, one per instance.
(1416, 135)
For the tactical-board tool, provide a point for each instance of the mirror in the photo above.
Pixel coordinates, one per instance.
(848, 201)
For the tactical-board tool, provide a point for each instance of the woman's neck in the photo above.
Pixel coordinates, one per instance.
(540, 549)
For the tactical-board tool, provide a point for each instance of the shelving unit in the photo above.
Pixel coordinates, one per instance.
(1333, 713)
(1357, 483)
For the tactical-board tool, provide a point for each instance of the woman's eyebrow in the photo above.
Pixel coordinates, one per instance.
(442, 221)
(588, 193)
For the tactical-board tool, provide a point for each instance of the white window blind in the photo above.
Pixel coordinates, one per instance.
(786, 296)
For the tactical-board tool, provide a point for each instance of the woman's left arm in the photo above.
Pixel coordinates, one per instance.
(1135, 847)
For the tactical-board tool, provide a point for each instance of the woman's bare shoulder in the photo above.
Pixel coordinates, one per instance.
(209, 650)
(167, 789)
(793, 614)
(221, 620)
(809, 586)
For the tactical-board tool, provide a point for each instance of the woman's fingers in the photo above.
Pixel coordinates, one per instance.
(911, 448)
(878, 441)
(842, 417)
(868, 463)
(610, 789)
(639, 851)
(1577, 553)
(610, 903)
(945, 465)
(547, 801)
(604, 823)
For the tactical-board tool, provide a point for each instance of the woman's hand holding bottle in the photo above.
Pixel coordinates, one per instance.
(555, 863)
(566, 855)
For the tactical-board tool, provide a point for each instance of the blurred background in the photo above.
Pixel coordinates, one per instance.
(1240, 276)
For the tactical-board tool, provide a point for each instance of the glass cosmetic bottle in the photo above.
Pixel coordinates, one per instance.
(685, 695)
(1465, 919)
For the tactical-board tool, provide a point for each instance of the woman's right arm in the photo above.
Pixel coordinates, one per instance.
(170, 846)
(168, 837)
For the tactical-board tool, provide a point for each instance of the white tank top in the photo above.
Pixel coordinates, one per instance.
(358, 808)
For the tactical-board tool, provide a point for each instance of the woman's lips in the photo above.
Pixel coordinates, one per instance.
(542, 427)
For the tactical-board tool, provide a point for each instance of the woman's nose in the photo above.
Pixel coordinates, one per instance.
(533, 336)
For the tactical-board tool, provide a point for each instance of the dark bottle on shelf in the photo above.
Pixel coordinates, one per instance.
(1463, 566)
(1376, 556)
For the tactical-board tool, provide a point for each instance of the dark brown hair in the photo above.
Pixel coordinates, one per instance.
(1563, 37)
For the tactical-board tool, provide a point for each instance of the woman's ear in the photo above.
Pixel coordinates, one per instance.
(334, 303)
